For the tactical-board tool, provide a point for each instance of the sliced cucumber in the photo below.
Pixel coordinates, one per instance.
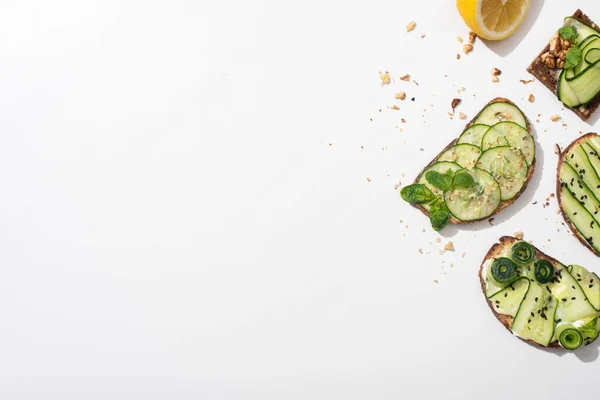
(573, 304)
(583, 221)
(583, 30)
(535, 318)
(500, 112)
(580, 189)
(442, 168)
(592, 157)
(508, 166)
(579, 160)
(509, 133)
(581, 88)
(476, 202)
(465, 155)
(473, 134)
(508, 300)
(589, 283)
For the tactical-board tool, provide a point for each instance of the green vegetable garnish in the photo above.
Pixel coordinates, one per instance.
(568, 33)
(438, 214)
(522, 253)
(544, 271)
(571, 339)
(463, 179)
(503, 270)
(573, 58)
(589, 330)
(417, 193)
(440, 181)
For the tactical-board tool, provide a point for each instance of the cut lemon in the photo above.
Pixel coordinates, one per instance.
(493, 19)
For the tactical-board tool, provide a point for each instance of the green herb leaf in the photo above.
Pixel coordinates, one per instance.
(591, 324)
(417, 193)
(438, 214)
(463, 179)
(573, 58)
(568, 33)
(440, 181)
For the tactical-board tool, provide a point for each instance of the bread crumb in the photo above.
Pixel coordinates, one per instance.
(462, 115)
(411, 25)
(531, 98)
(400, 96)
(495, 79)
(554, 118)
(368, 179)
(557, 150)
(423, 36)
(420, 251)
(385, 78)
(472, 37)
(496, 72)
(519, 235)
(457, 56)
(467, 48)
(438, 240)
(524, 82)
(436, 281)
(451, 265)
(455, 102)
(460, 39)
(395, 107)
(422, 149)
(405, 78)
(396, 186)
(423, 230)
(463, 255)
(449, 246)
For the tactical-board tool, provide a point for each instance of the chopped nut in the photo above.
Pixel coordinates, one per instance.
(368, 179)
(554, 118)
(395, 107)
(524, 82)
(549, 60)
(385, 78)
(411, 25)
(400, 96)
(462, 115)
(436, 281)
(396, 186)
(467, 48)
(531, 98)
(438, 240)
(405, 78)
(495, 79)
(423, 36)
(472, 37)
(457, 56)
(519, 235)
(449, 246)
(455, 102)
(496, 71)
(555, 45)
(460, 39)
(560, 63)
(420, 251)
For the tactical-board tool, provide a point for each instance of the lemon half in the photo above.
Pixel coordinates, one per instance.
(493, 19)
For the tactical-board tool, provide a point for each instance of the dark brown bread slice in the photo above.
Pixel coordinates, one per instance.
(561, 160)
(494, 252)
(502, 204)
(549, 76)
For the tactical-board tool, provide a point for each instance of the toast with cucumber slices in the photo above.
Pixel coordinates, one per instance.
(481, 172)
(569, 65)
(578, 189)
(537, 298)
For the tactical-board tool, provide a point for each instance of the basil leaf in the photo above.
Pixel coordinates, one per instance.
(463, 179)
(568, 33)
(438, 214)
(573, 58)
(417, 193)
(440, 181)
(591, 324)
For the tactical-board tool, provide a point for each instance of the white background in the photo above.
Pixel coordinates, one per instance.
(185, 211)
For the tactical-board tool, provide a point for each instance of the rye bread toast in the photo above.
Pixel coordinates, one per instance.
(561, 160)
(549, 76)
(504, 203)
(494, 252)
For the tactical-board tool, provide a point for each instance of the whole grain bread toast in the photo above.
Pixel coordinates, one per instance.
(549, 76)
(504, 203)
(495, 252)
(561, 160)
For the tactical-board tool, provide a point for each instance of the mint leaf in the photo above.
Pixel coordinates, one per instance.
(463, 179)
(438, 214)
(568, 32)
(417, 193)
(573, 58)
(440, 181)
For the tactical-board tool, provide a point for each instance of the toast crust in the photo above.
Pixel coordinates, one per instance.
(561, 160)
(549, 76)
(503, 204)
(494, 252)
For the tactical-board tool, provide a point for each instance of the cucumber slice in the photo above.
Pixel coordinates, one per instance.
(535, 317)
(573, 304)
(473, 134)
(511, 134)
(589, 283)
(590, 333)
(476, 202)
(570, 339)
(583, 30)
(581, 163)
(581, 88)
(508, 166)
(440, 167)
(577, 186)
(508, 300)
(583, 221)
(465, 155)
(499, 112)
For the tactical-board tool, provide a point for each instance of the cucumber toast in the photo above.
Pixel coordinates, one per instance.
(537, 298)
(578, 189)
(570, 65)
(481, 172)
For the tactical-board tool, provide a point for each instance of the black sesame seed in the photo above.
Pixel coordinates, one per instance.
(564, 299)
(572, 298)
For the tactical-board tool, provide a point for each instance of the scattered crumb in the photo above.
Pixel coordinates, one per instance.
(422, 36)
(422, 149)
(420, 251)
(554, 118)
(400, 96)
(396, 186)
(438, 240)
(423, 230)
(460, 39)
(395, 107)
(457, 56)
(449, 246)
(405, 78)
(462, 115)
(463, 255)
(519, 235)
(368, 179)
(385, 78)
(451, 265)
(495, 79)
(472, 37)
(436, 281)
(491, 220)
(524, 82)
(462, 89)
(557, 150)
(330, 144)
(531, 98)
(415, 82)
(558, 210)
(551, 195)
(411, 25)
(455, 102)
(496, 72)
(467, 48)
